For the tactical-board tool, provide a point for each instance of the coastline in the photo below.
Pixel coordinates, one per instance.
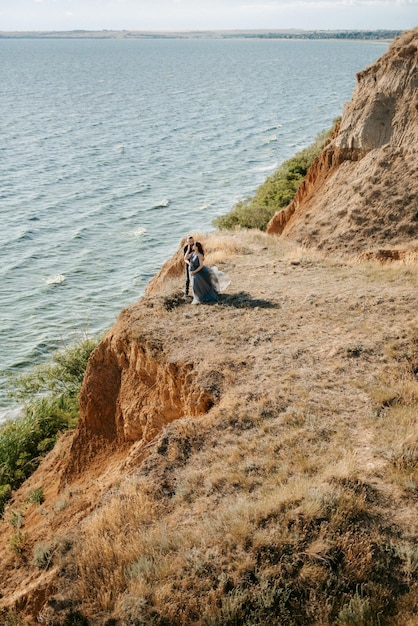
(356, 35)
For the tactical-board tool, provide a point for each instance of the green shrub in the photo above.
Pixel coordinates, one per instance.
(19, 543)
(36, 496)
(61, 377)
(357, 612)
(277, 191)
(50, 398)
(245, 215)
(5, 493)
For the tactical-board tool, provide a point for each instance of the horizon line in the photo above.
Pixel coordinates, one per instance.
(202, 30)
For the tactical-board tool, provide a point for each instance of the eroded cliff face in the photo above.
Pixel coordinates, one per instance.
(384, 107)
(132, 388)
(135, 383)
(360, 195)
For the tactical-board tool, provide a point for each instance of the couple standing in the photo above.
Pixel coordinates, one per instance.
(207, 282)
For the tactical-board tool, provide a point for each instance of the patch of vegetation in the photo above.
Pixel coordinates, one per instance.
(18, 543)
(42, 555)
(277, 191)
(12, 618)
(36, 496)
(49, 394)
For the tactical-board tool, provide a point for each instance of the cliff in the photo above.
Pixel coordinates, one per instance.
(252, 461)
(262, 443)
(360, 195)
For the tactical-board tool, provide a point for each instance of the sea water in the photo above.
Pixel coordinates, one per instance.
(112, 150)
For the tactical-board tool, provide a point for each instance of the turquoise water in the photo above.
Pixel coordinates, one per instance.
(112, 150)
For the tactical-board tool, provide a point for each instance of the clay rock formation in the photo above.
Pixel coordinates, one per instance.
(360, 195)
(131, 389)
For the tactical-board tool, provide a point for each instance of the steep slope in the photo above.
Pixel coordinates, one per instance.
(360, 196)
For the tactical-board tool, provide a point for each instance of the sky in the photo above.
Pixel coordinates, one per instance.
(18, 15)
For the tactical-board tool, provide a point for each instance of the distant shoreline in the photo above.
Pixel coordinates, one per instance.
(360, 35)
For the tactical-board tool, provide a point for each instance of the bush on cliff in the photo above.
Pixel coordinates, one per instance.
(277, 191)
(50, 398)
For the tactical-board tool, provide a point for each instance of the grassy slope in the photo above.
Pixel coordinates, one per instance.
(49, 393)
(277, 191)
(293, 501)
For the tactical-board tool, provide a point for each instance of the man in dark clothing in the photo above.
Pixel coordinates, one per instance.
(186, 250)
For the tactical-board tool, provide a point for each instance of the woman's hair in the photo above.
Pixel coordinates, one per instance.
(199, 247)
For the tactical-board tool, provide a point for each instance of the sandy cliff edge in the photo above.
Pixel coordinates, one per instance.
(360, 195)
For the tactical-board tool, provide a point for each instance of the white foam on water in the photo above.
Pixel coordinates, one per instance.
(55, 280)
(10, 414)
(138, 232)
(270, 139)
(161, 205)
(266, 168)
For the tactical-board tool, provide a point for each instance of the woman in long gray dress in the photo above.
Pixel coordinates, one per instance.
(207, 282)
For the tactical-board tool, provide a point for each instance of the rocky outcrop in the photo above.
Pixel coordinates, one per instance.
(134, 384)
(360, 193)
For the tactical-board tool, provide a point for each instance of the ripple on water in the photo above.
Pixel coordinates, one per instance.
(97, 194)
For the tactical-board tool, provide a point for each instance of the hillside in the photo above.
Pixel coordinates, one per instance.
(253, 461)
(360, 196)
(265, 446)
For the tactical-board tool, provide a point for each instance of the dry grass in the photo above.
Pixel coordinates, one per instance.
(276, 528)
(279, 512)
(293, 500)
(253, 558)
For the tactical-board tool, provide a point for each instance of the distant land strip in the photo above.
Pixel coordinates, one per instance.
(380, 35)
